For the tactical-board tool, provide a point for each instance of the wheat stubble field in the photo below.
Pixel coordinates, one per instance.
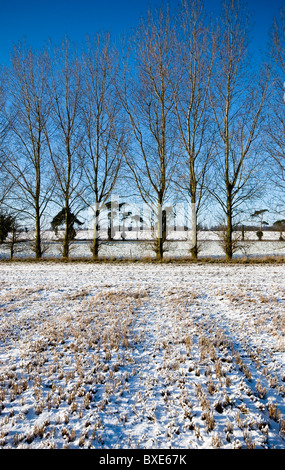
(142, 356)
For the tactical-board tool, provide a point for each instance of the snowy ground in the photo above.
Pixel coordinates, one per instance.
(142, 356)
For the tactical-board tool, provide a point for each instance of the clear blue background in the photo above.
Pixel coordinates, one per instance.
(40, 20)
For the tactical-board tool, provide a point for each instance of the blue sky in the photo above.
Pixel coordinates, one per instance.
(40, 20)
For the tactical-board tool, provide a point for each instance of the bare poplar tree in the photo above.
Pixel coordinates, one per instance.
(26, 156)
(192, 107)
(5, 180)
(237, 98)
(64, 132)
(102, 127)
(275, 124)
(147, 97)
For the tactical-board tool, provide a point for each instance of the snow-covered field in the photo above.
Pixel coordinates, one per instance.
(179, 245)
(142, 356)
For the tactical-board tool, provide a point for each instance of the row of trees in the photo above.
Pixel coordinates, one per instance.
(178, 110)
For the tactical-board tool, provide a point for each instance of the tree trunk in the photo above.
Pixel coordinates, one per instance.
(12, 250)
(13, 241)
(194, 249)
(160, 234)
(229, 228)
(95, 245)
(65, 250)
(38, 248)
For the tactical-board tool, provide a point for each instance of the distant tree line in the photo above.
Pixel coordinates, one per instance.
(179, 111)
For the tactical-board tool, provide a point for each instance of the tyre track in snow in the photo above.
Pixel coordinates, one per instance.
(226, 319)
